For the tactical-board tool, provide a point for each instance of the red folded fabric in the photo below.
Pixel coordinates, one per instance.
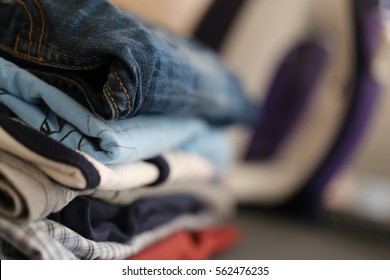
(186, 245)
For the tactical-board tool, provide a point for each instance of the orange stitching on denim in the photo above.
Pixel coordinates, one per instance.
(31, 25)
(40, 59)
(65, 54)
(107, 91)
(29, 57)
(86, 67)
(15, 50)
(40, 45)
(126, 92)
(43, 26)
(71, 56)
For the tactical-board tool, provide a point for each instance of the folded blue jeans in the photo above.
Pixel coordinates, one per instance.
(117, 65)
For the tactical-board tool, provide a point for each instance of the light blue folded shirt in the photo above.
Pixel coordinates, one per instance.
(54, 113)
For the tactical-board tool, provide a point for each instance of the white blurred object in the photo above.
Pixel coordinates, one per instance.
(360, 196)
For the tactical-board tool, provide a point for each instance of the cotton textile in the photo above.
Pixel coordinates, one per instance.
(48, 240)
(192, 245)
(100, 221)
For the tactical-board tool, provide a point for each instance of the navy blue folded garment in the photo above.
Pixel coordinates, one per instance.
(101, 221)
(163, 168)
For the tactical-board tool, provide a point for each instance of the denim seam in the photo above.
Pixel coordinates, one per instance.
(39, 45)
(62, 53)
(16, 52)
(26, 55)
(31, 19)
(106, 92)
(87, 67)
(125, 91)
(43, 29)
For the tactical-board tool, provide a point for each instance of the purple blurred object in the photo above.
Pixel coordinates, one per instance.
(372, 26)
(289, 93)
(308, 200)
(291, 90)
(364, 95)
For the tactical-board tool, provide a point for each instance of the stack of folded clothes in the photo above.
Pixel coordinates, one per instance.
(113, 136)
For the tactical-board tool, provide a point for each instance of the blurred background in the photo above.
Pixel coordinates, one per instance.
(312, 178)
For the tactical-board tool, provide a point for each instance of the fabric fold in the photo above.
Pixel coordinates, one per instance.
(78, 170)
(26, 193)
(48, 240)
(192, 245)
(100, 221)
(51, 112)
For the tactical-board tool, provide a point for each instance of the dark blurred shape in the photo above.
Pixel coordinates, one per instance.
(217, 22)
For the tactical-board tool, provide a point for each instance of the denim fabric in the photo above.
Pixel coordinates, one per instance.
(54, 113)
(118, 65)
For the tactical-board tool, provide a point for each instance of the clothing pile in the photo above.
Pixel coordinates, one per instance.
(113, 136)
